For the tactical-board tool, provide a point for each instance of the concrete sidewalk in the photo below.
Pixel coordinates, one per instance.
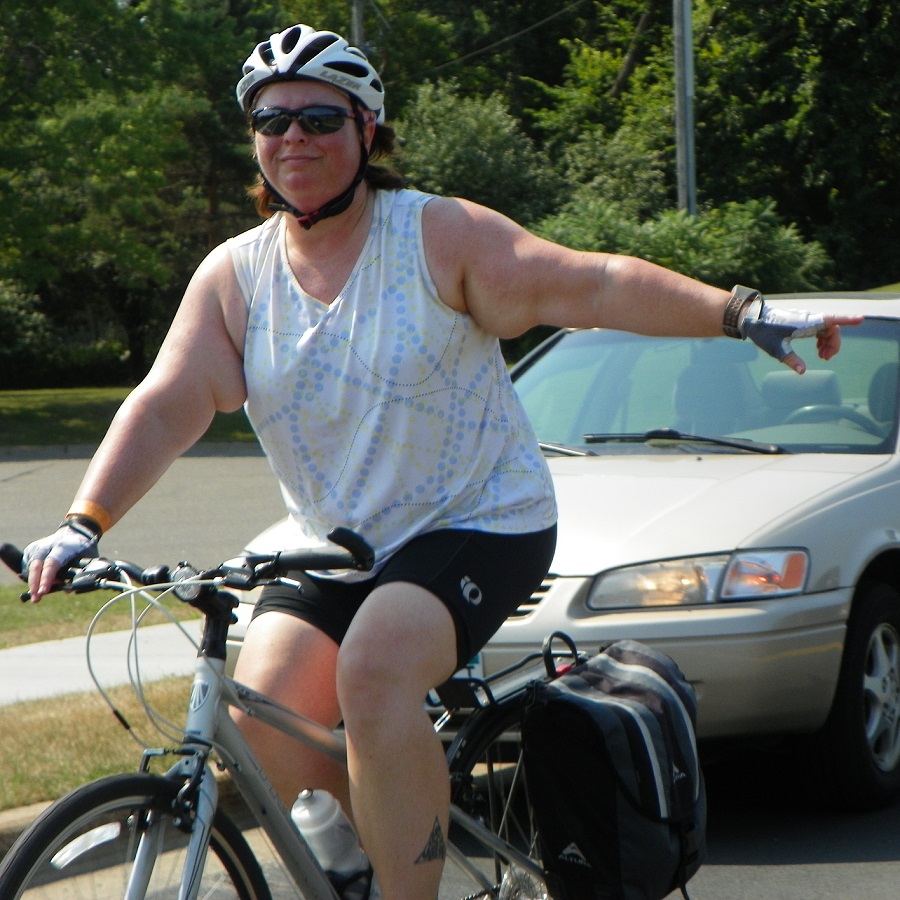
(56, 668)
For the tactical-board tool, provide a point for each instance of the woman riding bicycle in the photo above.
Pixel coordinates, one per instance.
(358, 326)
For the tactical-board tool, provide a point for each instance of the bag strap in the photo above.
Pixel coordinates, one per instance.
(690, 850)
(548, 654)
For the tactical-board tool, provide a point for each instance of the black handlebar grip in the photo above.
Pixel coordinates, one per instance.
(12, 557)
(363, 554)
(351, 552)
(315, 558)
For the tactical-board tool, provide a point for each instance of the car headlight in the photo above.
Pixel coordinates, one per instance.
(698, 580)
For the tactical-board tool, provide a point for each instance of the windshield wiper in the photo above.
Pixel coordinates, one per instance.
(563, 450)
(672, 434)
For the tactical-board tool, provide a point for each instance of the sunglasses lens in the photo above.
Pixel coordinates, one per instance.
(322, 120)
(314, 120)
(270, 121)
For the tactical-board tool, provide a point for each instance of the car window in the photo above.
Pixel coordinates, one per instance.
(595, 382)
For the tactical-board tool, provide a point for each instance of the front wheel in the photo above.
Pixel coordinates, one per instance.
(84, 845)
(859, 747)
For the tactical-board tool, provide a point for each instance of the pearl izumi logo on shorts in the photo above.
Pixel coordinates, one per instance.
(470, 591)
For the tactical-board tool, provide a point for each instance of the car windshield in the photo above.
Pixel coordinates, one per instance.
(611, 392)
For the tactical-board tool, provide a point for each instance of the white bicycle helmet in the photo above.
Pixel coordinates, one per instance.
(302, 52)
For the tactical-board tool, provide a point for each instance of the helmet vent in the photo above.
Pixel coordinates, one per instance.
(348, 68)
(265, 51)
(314, 48)
(291, 38)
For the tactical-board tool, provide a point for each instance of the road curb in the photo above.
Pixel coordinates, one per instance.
(27, 452)
(14, 821)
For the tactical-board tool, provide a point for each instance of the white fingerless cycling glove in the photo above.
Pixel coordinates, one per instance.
(773, 330)
(72, 540)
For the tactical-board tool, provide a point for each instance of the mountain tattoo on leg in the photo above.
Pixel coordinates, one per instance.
(435, 849)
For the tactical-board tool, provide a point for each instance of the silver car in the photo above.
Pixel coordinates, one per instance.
(739, 517)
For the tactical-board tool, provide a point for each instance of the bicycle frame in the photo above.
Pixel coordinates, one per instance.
(209, 725)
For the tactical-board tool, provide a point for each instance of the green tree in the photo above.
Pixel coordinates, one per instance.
(795, 102)
(474, 148)
(114, 174)
(120, 184)
(737, 243)
(609, 124)
(798, 101)
(28, 336)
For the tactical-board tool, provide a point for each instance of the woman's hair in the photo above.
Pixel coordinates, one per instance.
(380, 177)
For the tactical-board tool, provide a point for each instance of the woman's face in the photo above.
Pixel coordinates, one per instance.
(308, 170)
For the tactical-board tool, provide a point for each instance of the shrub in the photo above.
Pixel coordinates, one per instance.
(34, 355)
(743, 243)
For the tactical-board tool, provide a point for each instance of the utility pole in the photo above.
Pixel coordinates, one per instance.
(682, 27)
(357, 36)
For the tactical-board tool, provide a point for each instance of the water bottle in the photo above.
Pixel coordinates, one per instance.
(333, 840)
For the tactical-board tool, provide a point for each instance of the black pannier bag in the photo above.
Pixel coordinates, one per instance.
(614, 778)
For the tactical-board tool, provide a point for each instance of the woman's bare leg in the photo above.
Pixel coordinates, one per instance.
(292, 662)
(401, 643)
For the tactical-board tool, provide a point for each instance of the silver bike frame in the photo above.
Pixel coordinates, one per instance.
(209, 725)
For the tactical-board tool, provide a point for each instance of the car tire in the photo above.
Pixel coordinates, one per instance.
(857, 752)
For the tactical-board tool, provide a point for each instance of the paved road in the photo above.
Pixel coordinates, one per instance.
(204, 509)
(765, 842)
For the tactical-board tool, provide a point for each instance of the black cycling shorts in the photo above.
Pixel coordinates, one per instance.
(480, 577)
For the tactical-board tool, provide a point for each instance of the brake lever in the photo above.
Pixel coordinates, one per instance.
(363, 554)
(86, 576)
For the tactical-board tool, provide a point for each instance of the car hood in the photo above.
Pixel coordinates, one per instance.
(618, 510)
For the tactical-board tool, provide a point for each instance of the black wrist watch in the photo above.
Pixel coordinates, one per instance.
(741, 297)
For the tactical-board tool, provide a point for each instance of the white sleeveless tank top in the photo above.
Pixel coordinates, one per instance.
(385, 411)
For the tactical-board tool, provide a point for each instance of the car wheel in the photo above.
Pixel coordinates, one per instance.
(859, 747)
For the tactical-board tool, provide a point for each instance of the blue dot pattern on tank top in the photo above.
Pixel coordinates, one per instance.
(386, 411)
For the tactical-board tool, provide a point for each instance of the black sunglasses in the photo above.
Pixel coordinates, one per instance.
(315, 120)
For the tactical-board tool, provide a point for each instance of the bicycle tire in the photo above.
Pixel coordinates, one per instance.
(488, 782)
(83, 845)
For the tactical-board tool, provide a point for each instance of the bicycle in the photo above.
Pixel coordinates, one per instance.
(144, 835)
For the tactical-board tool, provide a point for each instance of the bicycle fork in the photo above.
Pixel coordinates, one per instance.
(196, 810)
(200, 795)
(199, 818)
(195, 806)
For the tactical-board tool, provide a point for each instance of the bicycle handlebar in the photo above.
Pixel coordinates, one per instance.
(12, 558)
(349, 551)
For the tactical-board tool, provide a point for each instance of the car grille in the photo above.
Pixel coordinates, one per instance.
(531, 604)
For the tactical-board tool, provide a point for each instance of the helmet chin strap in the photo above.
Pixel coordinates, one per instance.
(335, 205)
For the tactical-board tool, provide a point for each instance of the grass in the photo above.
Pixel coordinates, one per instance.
(55, 417)
(60, 616)
(49, 747)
